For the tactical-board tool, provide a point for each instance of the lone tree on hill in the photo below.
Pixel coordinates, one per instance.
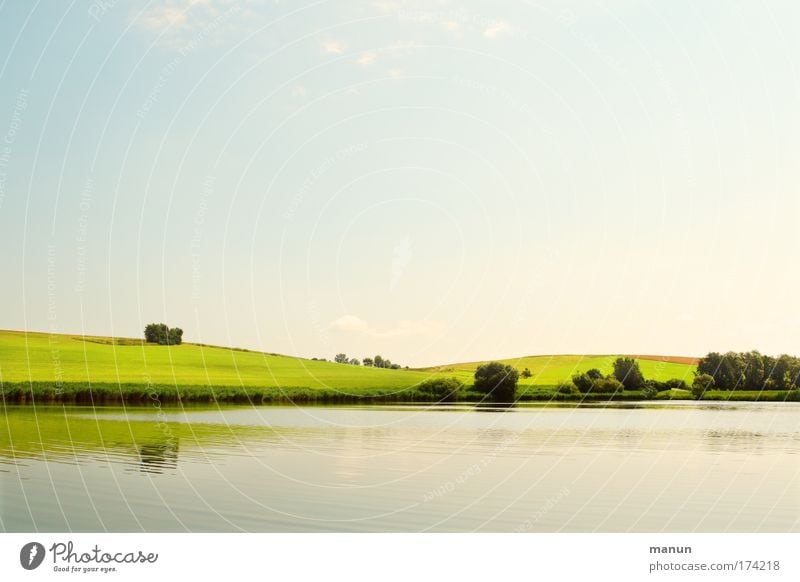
(497, 380)
(160, 333)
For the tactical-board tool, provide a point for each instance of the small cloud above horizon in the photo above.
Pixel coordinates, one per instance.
(497, 29)
(353, 324)
(367, 58)
(332, 47)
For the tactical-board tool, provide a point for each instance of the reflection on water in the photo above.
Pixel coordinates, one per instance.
(156, 457)
(677, 467)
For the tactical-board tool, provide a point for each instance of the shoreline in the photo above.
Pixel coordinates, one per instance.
(82, 393)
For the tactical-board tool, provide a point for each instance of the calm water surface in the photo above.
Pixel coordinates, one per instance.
(685, 467)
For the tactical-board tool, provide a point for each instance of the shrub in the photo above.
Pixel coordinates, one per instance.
(583, 382)
(526, 373)
(567, 388)
(676, 384)
(702, 383)
(594, 374)
(650, 391)
(442, 389)
(497, 380)
(607, 386)
(655, 385)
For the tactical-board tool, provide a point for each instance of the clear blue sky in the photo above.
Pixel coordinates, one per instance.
(433, 181)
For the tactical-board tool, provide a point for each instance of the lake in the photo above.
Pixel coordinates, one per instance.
(708, 467)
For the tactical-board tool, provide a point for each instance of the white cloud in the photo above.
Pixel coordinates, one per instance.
(367, 58)
(412, 327)
(163, 17)
(404, 328)
(299, 91)
(452, 26)
(496, 29)
(350, 323)
(397, 50)
(181, 23)
(333, 47)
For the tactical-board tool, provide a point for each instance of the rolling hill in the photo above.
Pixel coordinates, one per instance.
(550, 370)
(65, 363)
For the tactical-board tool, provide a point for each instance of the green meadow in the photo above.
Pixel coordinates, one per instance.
(550, 370)
(62, 367)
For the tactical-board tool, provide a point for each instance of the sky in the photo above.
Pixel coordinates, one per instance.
(430, 181)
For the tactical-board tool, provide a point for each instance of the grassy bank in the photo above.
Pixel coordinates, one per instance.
(49, 368)
(149, 394)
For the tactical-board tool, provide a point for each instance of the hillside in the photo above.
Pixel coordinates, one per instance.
(550, 370)
(71, 367)
(42, 357)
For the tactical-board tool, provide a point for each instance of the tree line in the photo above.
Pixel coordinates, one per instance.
(374, 362)
(751, 371)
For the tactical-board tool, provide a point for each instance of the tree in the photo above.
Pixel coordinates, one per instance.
(583, 382)
(156, 333)
(497, 380)
(702, 383)
(526, 373)
(340, 358)
(378, 361)
(354, 362)
(753, 372)
(726, 369)
(442, 389)
(175, 336)
(732, 371)
(160, 333)
(793, 375)
(777, 370)
(367, 362)
(594, 374)
(627, 372)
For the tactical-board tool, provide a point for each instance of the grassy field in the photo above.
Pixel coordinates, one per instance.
(550, 370)
(75, 368)
(49, 358)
